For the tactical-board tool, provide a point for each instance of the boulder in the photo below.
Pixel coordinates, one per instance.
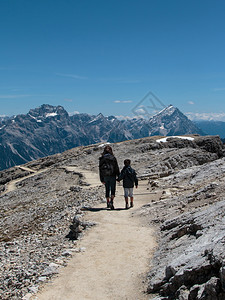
(190, 253)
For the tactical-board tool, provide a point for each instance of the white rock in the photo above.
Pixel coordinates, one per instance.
(27, 296)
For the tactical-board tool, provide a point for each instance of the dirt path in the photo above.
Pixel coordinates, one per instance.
(90, 177)
(11, 186)
(116, 255)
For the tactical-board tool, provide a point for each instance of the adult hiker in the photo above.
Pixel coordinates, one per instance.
(108, 171)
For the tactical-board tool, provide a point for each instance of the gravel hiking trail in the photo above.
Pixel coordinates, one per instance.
(11, 186)
(115, 253)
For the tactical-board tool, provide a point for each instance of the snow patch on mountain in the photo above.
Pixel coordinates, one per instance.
(51, 114)
(163, 140)
(103, 145)
(169, 110)
(97, 118)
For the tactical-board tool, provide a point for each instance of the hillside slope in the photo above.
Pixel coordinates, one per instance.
(40, 200)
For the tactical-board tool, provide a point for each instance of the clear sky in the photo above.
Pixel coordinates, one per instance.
(104, 56)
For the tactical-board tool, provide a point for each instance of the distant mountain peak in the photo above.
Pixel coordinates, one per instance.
(100, 115)
(46, 110)
(171, 121)
(169, 110)
(97, 118)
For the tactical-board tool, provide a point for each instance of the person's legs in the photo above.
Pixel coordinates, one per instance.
(113, 190)
(107, 191)
(113, 186)
(131, 197)
(131, 201)
(108, 202)
(126, 203)
(126, 191)
(111, 203)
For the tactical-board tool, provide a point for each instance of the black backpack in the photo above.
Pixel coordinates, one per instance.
(107, 168)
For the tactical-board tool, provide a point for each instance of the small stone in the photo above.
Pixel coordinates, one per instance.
(42, 278)
(27, 296)
(33, 289)
(51, 269)
(81, 249)
(66, 253)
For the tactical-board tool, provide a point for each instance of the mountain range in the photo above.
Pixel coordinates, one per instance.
(212, 127)
(47, 130)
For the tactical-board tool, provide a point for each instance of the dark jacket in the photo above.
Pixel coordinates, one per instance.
(108, 159)
(129, 177)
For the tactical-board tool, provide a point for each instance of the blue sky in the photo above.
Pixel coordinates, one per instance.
(105, 56)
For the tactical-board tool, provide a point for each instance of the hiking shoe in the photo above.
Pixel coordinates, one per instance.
(111, 205)
(108, 205)
(131, 204)
(127, 206)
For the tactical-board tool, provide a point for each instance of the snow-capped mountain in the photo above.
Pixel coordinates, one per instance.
(171, 121)
(49, 129)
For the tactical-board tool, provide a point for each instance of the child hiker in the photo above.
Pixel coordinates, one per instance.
(129, 177)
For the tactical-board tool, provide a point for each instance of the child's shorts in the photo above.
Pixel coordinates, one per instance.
(128, 192)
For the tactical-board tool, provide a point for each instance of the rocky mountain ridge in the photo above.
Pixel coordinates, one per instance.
(48, 197)
(189, 263)
(49, 129)
(212, 127)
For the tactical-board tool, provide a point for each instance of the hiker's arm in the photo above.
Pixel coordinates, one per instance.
(135, 179)
(117, 170)
(121, 176)
(101, 177)
(100, 172)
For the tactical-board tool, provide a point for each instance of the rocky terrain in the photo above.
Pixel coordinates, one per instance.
(47, 130)
(42, 207)
(189, 263)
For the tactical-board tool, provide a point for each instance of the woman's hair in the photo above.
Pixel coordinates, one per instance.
(107, 149)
